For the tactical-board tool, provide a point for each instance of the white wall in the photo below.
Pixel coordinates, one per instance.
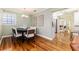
(76, 21)
(7, 29)
(46, 30)
(68, 15)
(0, 26)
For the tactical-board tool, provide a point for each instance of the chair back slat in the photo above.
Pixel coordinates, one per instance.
(14, 31)
(31, 31)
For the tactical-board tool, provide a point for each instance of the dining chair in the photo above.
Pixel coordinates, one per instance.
(30, 34)
(33, 28)
(16, 36)
(15, 33)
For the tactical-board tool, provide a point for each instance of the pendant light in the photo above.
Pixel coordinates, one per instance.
(24, 16)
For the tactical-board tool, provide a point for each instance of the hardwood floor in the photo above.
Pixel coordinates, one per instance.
(63, 40)
(40, 44)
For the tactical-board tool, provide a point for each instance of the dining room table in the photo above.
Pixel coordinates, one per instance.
(22, 31)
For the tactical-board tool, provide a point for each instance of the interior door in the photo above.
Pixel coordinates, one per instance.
(62, 23)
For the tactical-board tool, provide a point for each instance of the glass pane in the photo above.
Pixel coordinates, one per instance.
(9, 18)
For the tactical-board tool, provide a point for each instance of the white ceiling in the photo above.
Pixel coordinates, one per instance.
(29, 10)
(25, 10)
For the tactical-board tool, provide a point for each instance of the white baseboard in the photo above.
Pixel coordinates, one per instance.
(45, 37)
(36, 34)
(6, 36)
(1, 40)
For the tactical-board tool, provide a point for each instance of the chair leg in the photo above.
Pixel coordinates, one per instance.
(33, 39)
(18, 41)
(28, 40)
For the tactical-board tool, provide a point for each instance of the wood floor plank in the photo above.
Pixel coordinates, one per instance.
(36, 48)
(40, 44)
(53, 47)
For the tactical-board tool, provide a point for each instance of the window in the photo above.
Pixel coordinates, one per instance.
(9, 19)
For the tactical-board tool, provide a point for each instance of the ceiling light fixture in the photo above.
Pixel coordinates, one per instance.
(24, 16)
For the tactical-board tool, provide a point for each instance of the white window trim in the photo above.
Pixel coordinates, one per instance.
(8, 14)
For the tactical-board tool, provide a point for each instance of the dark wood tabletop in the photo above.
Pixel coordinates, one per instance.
(21, 29)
